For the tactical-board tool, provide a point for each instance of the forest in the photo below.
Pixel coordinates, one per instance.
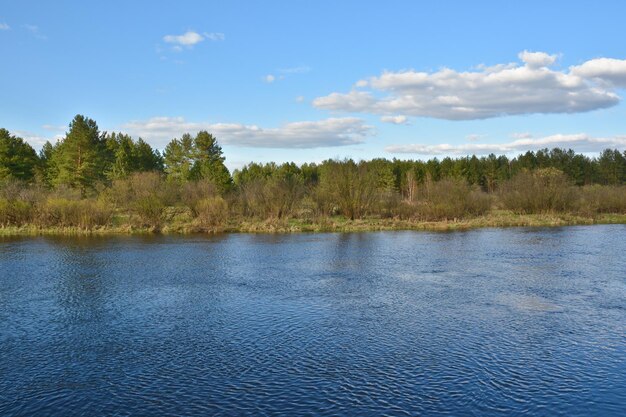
(96, 181)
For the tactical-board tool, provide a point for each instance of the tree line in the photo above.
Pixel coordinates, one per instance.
(89, 172)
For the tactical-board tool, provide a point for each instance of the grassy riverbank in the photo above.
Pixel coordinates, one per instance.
(496, 218)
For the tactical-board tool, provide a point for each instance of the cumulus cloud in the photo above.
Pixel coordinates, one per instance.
(537, 59)
(603, 69)
(396, 120)
(191, 38)
(4, 26)
(525, 87)
(306, 134)
(269, 78)
(37, 140)
(581, 142)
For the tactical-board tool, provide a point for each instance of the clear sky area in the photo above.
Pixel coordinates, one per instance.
(305, 81)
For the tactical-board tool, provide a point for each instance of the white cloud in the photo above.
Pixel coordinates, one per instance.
(604, 69)
(191, 38)
(300, 99)
(537, 59)
(581, 142)
(269, 78)
(397, 120)
(4, 26)
(504, 89)
(36, 140)
(306, 134)
(214, 36)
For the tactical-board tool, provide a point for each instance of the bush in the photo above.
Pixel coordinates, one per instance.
(541, 191)
(62, 212)
(451, 199)
(194, 191)
(271, 198)
(601, 199)
(14, 212)
(387, 203)
(406, 210)
(149, 210)
(211, 212)
(146, 195)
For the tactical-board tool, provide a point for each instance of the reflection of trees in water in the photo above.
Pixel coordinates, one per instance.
(88, 269)
(79, 270)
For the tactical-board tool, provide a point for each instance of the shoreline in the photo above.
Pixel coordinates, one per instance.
(495, 219)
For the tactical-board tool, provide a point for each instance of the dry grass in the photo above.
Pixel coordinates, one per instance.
(495, 218)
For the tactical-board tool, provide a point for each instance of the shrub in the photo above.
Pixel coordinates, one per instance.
(541, 191)
(149, 210)
(194, 191)
(387, 203)
(211, 212)
(62, 212)
(452, 199)
(14, 212)
(601, 199)
(146, 195)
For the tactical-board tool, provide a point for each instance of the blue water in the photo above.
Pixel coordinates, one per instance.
(486, 322)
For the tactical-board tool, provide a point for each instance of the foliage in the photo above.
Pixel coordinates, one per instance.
(451, 199)
(92, 179)
(18, 160)
(195, 158)
(541, 191)
(80, 159)
(129, 156)
(347, 187)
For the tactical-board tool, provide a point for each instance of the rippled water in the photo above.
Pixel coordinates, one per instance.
(486, 322)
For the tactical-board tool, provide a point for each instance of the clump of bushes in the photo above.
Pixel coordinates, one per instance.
(146, 194)
(210, 212)
(272, 197)
(63, 212)
(451, 199)
(601, 199)
(278, 196)
(542, 191)
(14, 212)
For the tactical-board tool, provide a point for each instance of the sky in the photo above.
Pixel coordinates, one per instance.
(305, 81)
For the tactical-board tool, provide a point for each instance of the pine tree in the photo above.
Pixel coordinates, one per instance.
(80, 157)
(178, 157)
(209, 161)
(17, 158)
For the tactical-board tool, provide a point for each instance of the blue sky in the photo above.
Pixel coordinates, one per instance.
(305, 81)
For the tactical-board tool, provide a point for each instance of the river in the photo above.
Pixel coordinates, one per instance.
(484, 322)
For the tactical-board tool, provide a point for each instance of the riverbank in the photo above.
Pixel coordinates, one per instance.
(496, 218)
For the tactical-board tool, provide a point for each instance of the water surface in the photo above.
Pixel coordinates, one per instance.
(485, 322)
